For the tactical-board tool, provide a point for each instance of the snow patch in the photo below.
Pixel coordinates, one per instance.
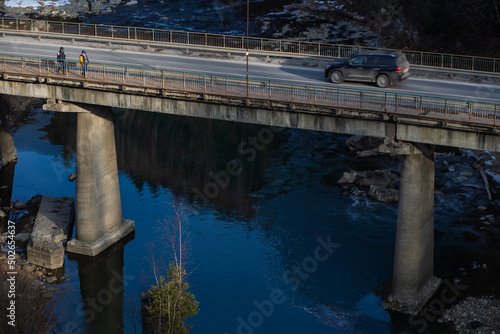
(34, 3)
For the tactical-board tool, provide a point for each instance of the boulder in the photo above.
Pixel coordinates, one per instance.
(363, 143)
(380, 178)
(20, 206)
(23, 238)
(382, 194)
(348, 178)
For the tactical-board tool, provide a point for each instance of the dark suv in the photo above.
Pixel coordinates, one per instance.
(381, 67)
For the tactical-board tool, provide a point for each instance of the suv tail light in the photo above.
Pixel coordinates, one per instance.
(399, 69)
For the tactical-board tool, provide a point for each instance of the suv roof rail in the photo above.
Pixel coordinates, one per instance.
(381, 53)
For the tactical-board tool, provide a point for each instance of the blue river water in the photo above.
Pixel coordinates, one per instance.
(275, 249)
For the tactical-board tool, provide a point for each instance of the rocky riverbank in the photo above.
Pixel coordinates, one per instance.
(62, 9)
(475, 315)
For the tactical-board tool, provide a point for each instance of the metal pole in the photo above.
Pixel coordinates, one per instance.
(248, 15)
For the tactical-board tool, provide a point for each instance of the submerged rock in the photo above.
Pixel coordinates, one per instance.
(382, 194)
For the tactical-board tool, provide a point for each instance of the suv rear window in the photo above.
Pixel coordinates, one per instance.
(401, 61)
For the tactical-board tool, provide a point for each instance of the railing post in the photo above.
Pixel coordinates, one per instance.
(95, 29)
(143, 78)
(226, 84)
(3, 23)
(395, 103)
(445, 109)
(206, 39)
(104, 72)
(183, 81)
(153, 34)
(420, 111)
(79, 29)
(421, 58)
(62, 27)
(442, 60)
(170, 36)
(112, 32)
(162, 80)
(128, 32)
(495, 120)
(135, 33)
(188, 38)
(300, 50)
(473, 63)
(338, 53)
(31, 25)
(319, 49)
(315, 93)
(280, 45)
(204, 83)
(292, 91)
(39, 66)
(47, 25)
(385, 101)
(451, 57)
(470, 111)
(224, 40)
(4, 64)
(17, 24)
(361, 99)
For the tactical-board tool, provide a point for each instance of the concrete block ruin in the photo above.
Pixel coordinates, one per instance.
(53, 226)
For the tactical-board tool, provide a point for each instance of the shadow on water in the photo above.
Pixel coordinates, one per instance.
(6, 183)
(205, 161)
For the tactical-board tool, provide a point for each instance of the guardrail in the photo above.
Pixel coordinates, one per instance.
(441, 60)
(470, 112)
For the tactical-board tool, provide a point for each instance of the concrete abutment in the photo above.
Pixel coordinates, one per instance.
(99, 221)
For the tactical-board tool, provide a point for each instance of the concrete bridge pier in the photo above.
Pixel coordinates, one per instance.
(413, 282)
(99, 221)
(8, 152)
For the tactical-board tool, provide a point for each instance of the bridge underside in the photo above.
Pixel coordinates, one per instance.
(330, 119)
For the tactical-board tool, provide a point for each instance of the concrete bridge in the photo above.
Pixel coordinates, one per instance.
(412, 124)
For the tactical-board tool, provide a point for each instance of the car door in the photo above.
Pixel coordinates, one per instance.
(370, 69)
(355, 68)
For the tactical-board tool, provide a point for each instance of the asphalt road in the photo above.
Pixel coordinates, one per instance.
(259, 70)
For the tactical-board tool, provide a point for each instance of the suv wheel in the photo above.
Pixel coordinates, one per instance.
(383, 81)
(336, 77)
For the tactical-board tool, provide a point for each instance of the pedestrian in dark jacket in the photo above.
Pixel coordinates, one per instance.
(84, 61)
(61, 58)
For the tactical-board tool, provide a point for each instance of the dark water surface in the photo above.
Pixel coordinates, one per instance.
(276, 250)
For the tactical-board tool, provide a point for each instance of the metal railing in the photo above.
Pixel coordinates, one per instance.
(470, 112)
(432, 59)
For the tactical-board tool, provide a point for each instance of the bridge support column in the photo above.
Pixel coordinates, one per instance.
(99, 221)
(413, 282)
